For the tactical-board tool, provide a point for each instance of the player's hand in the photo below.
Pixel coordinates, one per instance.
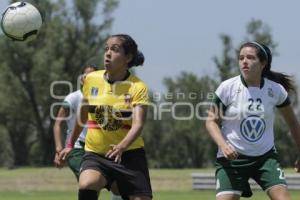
(115, 152)
(229, 152)
(64, 154)
(57, 162)
(297, 165)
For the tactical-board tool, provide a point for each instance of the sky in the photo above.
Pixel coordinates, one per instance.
(184, 35)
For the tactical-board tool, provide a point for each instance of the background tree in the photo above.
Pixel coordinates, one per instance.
(178, 139)
(68, 39)
(226, 65)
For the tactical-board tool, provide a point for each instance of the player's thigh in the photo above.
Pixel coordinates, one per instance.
(278, 192)
(74, 160)
(132, 177)
(92, 179)
(228, 197)
(270, 174)
(231, 184)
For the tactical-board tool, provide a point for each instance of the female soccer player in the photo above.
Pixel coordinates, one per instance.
(114, 107)
(244, 109)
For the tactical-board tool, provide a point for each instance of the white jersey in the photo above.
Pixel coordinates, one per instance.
(248, 118)
(73, 101)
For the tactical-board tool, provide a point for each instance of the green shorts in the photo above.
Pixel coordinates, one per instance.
(74, 161)
(232, 176)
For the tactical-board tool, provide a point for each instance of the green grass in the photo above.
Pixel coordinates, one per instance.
(104, 196)
(37, 195)
(171, 195)
(54, 184)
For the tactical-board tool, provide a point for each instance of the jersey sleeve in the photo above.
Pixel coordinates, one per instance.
(69, 102)
(283, 98)
(141, 96)
(220, 97)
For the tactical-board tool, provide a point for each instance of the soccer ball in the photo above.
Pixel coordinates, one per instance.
(21, 21)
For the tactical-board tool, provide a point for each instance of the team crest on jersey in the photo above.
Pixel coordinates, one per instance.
(108, 118)
(94, 91)
(252, 128)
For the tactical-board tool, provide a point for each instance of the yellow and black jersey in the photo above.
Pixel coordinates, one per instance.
(110, 110)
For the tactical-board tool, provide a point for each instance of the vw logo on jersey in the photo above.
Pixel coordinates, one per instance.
(252, 128)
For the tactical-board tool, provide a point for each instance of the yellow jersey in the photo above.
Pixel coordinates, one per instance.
(110, 110)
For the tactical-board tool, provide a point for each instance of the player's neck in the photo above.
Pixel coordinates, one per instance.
(253, 81)
(118, 76)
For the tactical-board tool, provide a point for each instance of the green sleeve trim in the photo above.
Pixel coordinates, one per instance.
(66, 105)
(221, 106)
(285, 103)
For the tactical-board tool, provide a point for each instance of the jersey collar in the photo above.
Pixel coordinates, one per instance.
(112, 82)
(262, 82)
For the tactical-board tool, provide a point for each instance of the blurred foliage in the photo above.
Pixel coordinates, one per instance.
(174, 136)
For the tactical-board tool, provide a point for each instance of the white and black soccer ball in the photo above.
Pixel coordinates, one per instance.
(21, 21)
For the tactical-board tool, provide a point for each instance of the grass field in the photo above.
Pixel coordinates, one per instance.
(53, 184)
